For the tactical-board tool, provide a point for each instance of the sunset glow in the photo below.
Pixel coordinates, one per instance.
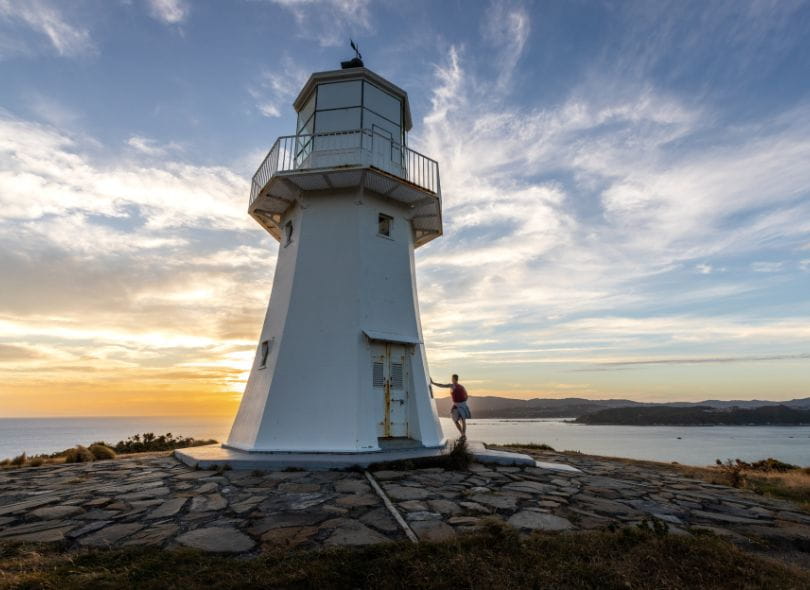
(626, 218)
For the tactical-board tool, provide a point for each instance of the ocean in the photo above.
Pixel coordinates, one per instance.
(693, 445)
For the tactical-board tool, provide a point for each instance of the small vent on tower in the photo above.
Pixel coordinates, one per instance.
(378, 377)
(264, 353)
(396, 375)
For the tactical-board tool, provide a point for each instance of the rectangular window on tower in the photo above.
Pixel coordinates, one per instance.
(288, 233)
(384, 223)
(264, 353)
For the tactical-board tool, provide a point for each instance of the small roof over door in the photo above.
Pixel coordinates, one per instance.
(391, 337)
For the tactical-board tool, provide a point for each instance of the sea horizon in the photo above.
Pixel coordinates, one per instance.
(690, 445)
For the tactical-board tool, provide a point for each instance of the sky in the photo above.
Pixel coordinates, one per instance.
(626, 193)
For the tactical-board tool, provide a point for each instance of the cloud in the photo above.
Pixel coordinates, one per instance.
(131, 271)
(709, 360)
(330, 22)
(277, 88)
(151, 147)
(171, 12)
(50, 110)
(42, 171)
(704, 269)
(767, 266)
(506, 27)
(46, 18)
(591, 207)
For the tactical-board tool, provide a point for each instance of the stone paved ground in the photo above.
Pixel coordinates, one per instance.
(159, 501)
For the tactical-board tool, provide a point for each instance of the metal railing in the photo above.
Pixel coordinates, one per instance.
(359, 147)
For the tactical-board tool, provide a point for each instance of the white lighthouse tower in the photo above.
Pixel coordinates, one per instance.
(340, 367)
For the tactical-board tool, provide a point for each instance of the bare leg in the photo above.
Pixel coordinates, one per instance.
(458, 426)
(463, 427)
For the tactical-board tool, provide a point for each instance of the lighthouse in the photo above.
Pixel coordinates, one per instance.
(340, 366)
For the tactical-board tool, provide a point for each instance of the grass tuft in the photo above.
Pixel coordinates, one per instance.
(494, 558)
(79, 454)
(101, 452)
(531, 446)
(458, 459)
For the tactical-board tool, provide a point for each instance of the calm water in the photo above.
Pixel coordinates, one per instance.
(696, 445)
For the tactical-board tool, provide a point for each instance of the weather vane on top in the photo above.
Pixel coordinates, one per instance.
(356, 61)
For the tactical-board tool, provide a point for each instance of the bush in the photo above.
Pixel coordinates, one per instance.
(79, 454)
(733, 471)
(36, 461)
(101, 451)
(531, 446)
(768, 465)
(19, 460)
(458, 459)
(5, 462)
(149, 442)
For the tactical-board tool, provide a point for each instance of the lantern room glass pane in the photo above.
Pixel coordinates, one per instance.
(337, 120)
(339, 94)
(306, 128)
(306, 112)
(374, 121)
(382, 103)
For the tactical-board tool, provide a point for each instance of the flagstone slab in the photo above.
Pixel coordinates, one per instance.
(154, 535)
(168, 508)
(108, 536)
(353, 532)
(217, 540)
(53, 512)
(539, 521)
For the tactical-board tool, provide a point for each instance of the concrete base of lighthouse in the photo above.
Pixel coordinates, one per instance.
(220, 456)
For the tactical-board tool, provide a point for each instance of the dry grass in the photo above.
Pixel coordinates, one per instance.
(495, 558)
(793, 485)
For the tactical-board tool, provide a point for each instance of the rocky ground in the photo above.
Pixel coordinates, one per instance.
(159, 501)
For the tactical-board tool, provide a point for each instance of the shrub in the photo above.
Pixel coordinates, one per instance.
(148, 441)
(101, 451)
(733, 471)
(532, 446)
(458, 459)
(5, 462)
(36, 461)
(19, 460)
(79, 454)
(769, 464)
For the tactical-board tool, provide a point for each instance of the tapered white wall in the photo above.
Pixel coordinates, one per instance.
(336, 279)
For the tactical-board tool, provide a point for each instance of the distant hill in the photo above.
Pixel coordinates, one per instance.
(574, 407)
(699, 416)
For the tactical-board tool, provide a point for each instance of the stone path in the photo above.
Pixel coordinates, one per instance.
(159, 501)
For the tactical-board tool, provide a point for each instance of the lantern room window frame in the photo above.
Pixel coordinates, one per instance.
(308, 117)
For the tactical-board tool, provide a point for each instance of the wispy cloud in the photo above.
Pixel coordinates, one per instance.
(704, 269)
(139, 273)
(767, 266)
(330, 22)
(586, 207)
(171, 12)
(45, 17)
(151, 147)
(506, 27)
(276, 89)
(707, 360)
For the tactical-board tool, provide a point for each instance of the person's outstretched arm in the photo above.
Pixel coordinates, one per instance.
(447, 385)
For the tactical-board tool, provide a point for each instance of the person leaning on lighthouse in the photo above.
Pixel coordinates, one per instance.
(460, 412)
